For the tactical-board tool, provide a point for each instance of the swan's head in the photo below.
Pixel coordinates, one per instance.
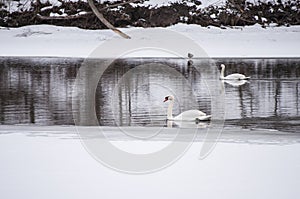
(222, 66)
(169, 97)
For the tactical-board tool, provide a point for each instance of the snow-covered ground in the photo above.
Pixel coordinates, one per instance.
(50, 162)
(251, 41)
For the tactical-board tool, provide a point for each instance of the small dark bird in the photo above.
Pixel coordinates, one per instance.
(190, 55)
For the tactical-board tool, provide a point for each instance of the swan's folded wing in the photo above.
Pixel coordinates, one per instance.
(236, 76)
(190, 115)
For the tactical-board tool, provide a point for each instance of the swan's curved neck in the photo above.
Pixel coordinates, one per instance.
(222, 73)
(170, 109)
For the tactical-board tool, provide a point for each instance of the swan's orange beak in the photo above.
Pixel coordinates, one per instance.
(165, 100)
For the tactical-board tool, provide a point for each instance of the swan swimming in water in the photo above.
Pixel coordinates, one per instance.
(234, 76)
(190, 115)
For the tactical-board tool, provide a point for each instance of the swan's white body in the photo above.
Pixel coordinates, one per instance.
(234, 76)
(190, 115)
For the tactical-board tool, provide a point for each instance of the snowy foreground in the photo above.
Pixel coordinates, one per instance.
(253, 41)
(50, 162)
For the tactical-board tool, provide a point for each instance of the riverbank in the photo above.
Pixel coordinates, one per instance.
(150, 13)
(56, 41)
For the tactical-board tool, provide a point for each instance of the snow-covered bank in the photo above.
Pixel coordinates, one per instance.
(251, 41)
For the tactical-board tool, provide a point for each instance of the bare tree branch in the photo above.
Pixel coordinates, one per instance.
(77, 16)
(104, 21)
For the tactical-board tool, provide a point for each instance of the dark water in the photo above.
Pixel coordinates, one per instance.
(130, 92)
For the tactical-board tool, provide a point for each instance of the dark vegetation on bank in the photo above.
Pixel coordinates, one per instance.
(233, 13)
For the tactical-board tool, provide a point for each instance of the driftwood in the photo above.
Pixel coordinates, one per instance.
(96, 12)
(104, 21)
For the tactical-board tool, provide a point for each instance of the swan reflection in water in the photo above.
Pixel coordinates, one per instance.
(187, 124)
(233, 82)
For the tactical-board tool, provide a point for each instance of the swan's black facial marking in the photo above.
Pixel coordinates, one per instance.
(166, 98)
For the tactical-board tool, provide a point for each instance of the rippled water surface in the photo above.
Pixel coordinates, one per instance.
(55, 91)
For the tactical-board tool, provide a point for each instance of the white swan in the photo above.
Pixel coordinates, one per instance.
(235, 76)
(190, 115)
